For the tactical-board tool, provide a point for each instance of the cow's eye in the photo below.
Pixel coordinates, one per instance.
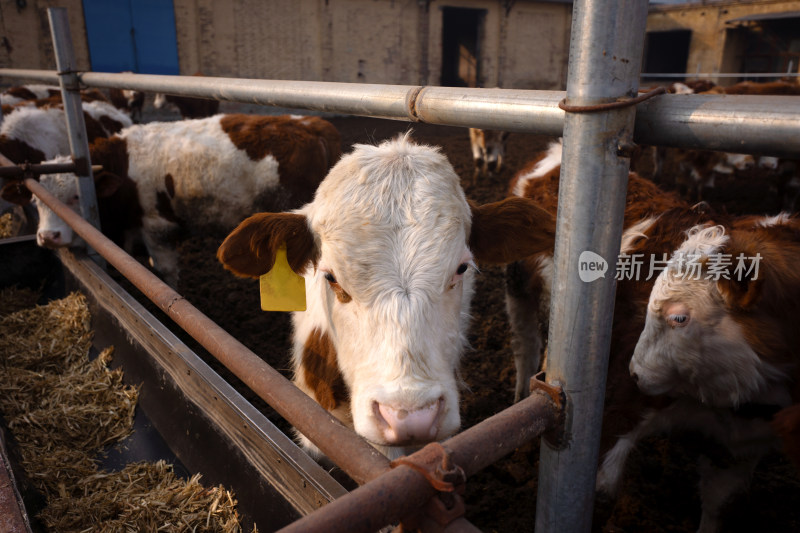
(677, 321)
(462, 268)
(330, 277)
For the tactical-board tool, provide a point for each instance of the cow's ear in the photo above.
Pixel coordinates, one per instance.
(16, 193)
(510, 230)
(106, 184)
(743, 281)
(250, 249)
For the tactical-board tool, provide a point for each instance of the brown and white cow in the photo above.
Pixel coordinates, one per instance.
(655, 224)
(159, 179)
(22, 93)
(35, 133)
(721, 337)
(187, 106)
(528, 284)
(488, 151)
(722, 318)
(388, 249)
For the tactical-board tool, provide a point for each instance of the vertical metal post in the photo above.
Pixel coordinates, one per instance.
(73, 110)
(605, 60)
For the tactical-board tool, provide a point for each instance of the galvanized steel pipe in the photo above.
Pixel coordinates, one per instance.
(605, 54)
(736, 123)
(349, 451)
(73, 111)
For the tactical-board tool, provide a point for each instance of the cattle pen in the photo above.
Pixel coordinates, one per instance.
(600, 117)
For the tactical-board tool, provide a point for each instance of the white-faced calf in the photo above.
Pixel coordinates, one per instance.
(388, 250)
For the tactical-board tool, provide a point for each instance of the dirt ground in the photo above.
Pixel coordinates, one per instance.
(660, 487)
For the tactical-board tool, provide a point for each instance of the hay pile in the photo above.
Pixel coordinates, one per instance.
(7, 226)
(62, 409)
(11, 224)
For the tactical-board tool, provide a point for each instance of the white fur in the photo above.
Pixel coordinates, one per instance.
(551, 160)
(97, 109)
(708, 358)
(778, 220)
(392, 224)
(45, 129)
(768, 162)
(634, 233)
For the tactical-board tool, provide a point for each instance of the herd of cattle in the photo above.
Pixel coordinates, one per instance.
(705, 328)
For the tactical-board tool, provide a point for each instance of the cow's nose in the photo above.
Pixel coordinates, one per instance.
(401, 425)
(49, 239)
(635, 377)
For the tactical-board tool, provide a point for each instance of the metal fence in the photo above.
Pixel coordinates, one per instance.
(604, 70)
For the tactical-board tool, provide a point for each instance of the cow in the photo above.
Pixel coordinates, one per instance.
(655, 223)
(488, 151)
(22, 93)
(780, 87)
(388, 249)
(720, 336)
(160, 178)
(188, 107)
(528, 281)
(34, 134)
(132, 102)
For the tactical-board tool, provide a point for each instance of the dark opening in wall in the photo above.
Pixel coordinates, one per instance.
(667, 52)
(461, 32)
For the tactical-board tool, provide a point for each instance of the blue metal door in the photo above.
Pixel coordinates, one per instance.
(135, 35)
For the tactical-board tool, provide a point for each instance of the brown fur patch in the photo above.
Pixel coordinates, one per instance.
(787, 426)
(250, 249)
(767, 308)
(320, 371)
(19, 152)
(16, 192)
(194, 107)
(94, 128)
(110, 125)
(21, 92)
(164, 207)
(169, 183)
(510, 230)
(120, 210)
(305, 149)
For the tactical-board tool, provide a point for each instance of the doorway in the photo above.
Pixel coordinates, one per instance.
(461, 36)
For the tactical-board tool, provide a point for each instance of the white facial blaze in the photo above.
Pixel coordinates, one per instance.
(691, 345)
(392, 223)
(53, 232)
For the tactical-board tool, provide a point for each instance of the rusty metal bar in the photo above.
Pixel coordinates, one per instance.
(403, 491)
(349, 451)
(19, 170)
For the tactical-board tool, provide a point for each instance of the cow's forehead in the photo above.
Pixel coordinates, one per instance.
(397, 184)
(62, 186)
(392, 216)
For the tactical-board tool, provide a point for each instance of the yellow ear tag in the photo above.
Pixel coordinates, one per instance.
(281, 288)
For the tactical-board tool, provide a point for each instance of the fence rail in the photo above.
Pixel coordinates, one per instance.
(765, 125)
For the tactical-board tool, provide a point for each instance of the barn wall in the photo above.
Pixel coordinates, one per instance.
(25, 40)
(524, 45)
(708, 50)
